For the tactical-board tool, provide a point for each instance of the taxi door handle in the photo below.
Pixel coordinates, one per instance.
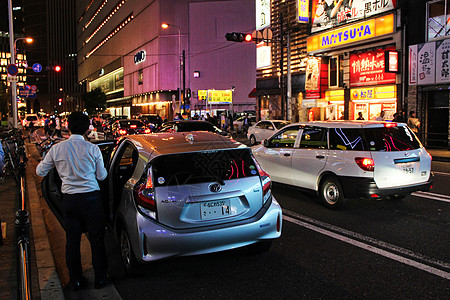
(287, 154)
(320, 156)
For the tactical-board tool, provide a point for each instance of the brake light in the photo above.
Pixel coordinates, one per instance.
(122, 131)
(265, 180)
(133, 126)
(389, 125)
(367, 164)
(147, 130)
(144, 197)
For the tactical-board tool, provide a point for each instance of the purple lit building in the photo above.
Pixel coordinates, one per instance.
(123, 49)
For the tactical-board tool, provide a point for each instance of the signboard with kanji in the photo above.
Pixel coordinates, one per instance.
(442, 61)
(368, 68)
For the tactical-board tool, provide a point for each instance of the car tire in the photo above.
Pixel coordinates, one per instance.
(252, 140)
(129, 262)
(332, 193)
(259, 247)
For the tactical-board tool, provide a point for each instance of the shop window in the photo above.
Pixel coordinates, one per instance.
(140, 77)
(335, 71)
(437, 16)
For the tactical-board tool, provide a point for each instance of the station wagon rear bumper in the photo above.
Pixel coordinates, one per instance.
(357, 187)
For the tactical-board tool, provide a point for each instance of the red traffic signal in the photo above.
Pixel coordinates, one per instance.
(248, 38)
(57, 68)
(238, 37)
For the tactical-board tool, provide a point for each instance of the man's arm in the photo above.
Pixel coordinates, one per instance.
(100, 171)
(46, 164)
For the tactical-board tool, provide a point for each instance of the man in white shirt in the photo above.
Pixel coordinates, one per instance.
(80, 164)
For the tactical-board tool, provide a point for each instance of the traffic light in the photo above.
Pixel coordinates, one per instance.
(57, 68)
(238, 37)
(188, 93)
(60, 101)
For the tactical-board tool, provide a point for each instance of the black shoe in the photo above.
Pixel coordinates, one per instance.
(78, 285)
(99, 284)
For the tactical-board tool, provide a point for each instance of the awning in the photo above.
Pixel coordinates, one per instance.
(252, 94)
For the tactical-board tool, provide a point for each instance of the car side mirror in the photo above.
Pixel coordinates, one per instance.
(265, 143)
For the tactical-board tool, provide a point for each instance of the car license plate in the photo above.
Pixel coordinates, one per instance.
(407, 169)
(215, 209)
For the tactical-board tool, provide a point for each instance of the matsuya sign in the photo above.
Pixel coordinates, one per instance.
(352, 33)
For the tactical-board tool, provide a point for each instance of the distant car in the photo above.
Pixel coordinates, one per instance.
(264, 129)
(127, 127)
(237, 124)
(190, 125)
(350, 159)
(153, 121)
(106, 125)
(31, 120)
(177, 194)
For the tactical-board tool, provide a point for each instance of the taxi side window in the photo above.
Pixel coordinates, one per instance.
(314, 138)
(285, 138)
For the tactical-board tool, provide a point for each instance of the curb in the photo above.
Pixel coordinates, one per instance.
(49, 283)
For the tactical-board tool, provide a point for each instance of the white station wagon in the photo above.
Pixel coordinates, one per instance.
(347, 159)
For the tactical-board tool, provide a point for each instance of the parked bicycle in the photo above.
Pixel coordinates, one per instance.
(13, 145)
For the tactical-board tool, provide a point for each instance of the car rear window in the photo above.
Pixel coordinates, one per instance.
(131, 122)
(198, 167)
(397, 138)
(31, 118)
(195, 126)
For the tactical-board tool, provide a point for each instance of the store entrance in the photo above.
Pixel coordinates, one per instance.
(437, 124)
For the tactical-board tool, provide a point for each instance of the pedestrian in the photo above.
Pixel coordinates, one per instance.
(360, 116)
(381, 116)
(245, 124)
(400, 116)
(80, 164)
(57, 127)
(92, 130)
(413, 122)
(47, 126)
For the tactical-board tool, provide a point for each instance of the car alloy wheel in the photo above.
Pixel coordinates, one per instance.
(126, 251)
(331, 193)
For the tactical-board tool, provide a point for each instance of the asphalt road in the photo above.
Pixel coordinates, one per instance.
(370, 249)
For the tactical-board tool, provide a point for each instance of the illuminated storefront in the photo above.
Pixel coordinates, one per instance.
(354, 67)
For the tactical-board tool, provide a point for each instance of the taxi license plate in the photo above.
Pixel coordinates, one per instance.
(407, 169)
(215, 209)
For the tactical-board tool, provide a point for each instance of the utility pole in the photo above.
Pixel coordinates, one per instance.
(13, 62)
(282, 67)
(184, 81)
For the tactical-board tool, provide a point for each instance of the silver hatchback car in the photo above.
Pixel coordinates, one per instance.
(179, 194)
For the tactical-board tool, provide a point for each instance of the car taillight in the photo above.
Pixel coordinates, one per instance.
(265, 180)
(147, 130)
(133, 126)
(388, 125)
(144, 196)
(365, 163)
(122, 131)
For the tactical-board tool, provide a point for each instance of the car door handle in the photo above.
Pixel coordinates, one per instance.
(320, 156)
(287, 154)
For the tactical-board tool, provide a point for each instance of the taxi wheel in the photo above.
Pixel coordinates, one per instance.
(331, 193)
(252, 140)
(129, 262)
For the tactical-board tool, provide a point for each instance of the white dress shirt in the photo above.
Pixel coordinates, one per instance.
(79, 164)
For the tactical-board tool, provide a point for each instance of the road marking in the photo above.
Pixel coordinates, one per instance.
(338, 233)
(433, 196)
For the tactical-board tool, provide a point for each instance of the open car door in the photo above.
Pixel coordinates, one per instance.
(51, 184)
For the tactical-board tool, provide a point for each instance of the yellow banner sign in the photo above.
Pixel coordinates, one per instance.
(374, 93)
(352, 33)
(216, 96)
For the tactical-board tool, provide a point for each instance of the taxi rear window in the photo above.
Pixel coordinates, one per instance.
(397, 138)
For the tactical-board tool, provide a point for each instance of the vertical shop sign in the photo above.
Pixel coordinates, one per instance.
(312, 74)
(413, 65)
(442, 61)
(426, 63)
(262, 14)
(303, 11)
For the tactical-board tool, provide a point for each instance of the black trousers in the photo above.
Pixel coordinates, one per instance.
(84, 212)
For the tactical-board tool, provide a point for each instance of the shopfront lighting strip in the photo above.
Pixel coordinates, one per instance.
(112, 12)
(118, 28)
(96, 13)
(152, 103)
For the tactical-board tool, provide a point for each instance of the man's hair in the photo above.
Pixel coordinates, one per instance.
(78, 122)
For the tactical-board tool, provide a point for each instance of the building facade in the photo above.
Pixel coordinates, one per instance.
(145, 68)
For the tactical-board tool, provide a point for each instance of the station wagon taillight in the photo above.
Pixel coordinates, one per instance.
(147, 130)
(144, 196)
(365, 163)
(122, 131)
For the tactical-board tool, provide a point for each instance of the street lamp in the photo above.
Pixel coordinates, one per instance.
(165, 26)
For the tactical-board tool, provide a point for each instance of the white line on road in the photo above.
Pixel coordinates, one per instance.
(433, 196)
(371, 248)
(441, 173)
